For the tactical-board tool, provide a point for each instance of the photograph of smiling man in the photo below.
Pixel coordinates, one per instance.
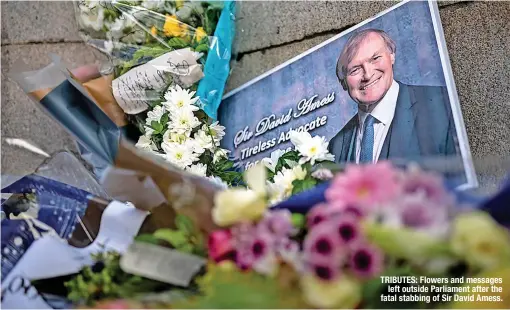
(381, 90)
(393, 120)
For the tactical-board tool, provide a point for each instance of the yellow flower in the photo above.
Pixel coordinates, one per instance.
(179, 4)
(489, 299)
(200, 34)
(344, 292)
(174, 28)
(236, 204)
(481, 241)
(154, 31)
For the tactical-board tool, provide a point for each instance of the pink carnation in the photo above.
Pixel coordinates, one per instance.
(365, 185)
(220, 245)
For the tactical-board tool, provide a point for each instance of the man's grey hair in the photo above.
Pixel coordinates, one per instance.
(352, 46)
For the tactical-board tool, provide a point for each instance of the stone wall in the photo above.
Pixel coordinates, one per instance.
(269, 33)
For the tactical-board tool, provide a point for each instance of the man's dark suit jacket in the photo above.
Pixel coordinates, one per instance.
(422, 126)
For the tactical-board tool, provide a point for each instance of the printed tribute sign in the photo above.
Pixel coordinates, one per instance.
(382, 90)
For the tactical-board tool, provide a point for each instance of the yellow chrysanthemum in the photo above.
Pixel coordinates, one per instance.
(154, 31)
(174, 28)
(200, 34)
(179, 4)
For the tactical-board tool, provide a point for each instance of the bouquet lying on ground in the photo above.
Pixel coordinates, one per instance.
(376, 223)
(159, 54)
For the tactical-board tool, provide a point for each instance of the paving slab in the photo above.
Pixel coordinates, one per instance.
(21, 118)
(38, 21)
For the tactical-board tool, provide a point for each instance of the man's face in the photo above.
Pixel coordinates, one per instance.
(370, 72)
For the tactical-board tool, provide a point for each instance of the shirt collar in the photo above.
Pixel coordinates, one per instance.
(385, 109)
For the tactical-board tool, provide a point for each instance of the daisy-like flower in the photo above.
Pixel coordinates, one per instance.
(429, 184)
(320, 213)
(220, 153)
(365, 185)
(311, 149)
(183, 121)
(282, 186)
(216, 131)
(178, 99)
(179, 154)
(155, 115)
(366, 261)
(278, 223)
(145, 143)
(272, 161)
(148, 131)
(173, 137)
(347, 229)
(322, 244)
(204, 140)
(259, 254)
(326, 271)
(198, 169)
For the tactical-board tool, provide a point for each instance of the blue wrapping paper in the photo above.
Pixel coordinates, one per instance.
(217, 66)
(60, 208)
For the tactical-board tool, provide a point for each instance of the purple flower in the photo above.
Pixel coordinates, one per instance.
(366, 261)
(326, 272)
(322, 242)
(278, 223)
(418, 213)
(320, 213)
(347, 229)
(429, 184)
(249, 253)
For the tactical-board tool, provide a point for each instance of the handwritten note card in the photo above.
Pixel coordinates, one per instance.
(130, 89)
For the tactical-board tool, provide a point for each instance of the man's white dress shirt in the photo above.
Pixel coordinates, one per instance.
(383, 113)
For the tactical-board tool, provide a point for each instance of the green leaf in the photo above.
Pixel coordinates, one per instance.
(184, 224)
(147, 238)
(177, 43)
(156, 126)
(298, 220)
(303, 185)
(202, 48)
(186, 248)
(176, 238)
(164, 119)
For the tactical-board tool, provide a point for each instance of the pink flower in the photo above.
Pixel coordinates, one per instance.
(366, 261)
(326, 271)
(347, 229)
(278, 223)
(419, 213)
(260, 250)
(365, 185)
(220, 246)
(323, 243)
(429, 184)
(321, 212)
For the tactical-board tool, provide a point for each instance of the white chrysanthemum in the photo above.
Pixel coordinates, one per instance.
(183, 122)
(155, 115)
(178, 99)
(154, 5)
(172, 137)
(145, 143)
(282, 186)
(311, 149)
(148, 131)
(271, 162)
(220, 153)
(179, 154)
(116, 29)
(204, 140)
(198, 169)
(216, 131)
(92, 15)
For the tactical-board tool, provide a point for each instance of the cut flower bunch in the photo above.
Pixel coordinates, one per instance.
(376, 221)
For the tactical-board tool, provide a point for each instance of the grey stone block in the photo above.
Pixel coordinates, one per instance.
(261, 24)
(21, 118)
(38, 21)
